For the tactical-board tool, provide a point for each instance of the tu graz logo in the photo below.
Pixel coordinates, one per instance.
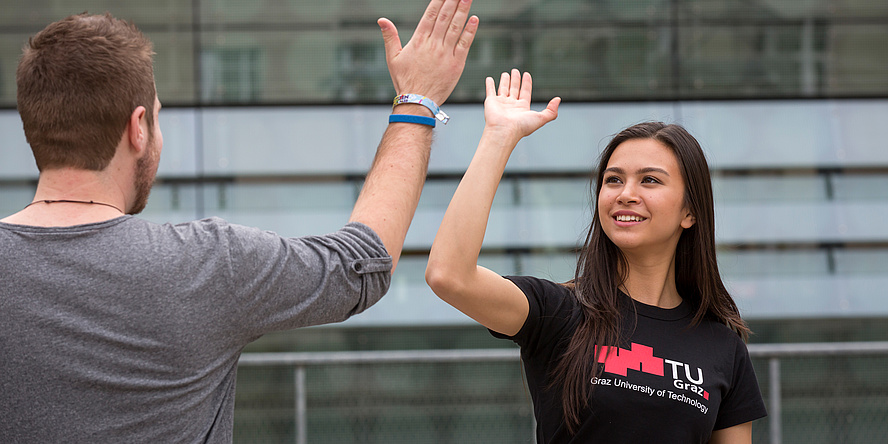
(641, 358)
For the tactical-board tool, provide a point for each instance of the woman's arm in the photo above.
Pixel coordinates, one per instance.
(739, 434)
(453, 272)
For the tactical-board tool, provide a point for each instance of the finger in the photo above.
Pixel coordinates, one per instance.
(490, 86)
(429, 17)
(444, 20)
(504, 84)
(515, 83)
(458, 23)
(551, 111)
(526, 87)
(466, 38)
(390, 38)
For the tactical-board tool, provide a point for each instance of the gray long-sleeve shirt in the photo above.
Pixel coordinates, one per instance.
(129, 331)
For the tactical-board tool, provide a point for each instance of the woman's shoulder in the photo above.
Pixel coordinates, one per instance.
(539, 287)
(554, 313)
(718, 329)
(547, 297)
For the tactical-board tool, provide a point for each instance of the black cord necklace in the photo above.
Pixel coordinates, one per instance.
(49, 201)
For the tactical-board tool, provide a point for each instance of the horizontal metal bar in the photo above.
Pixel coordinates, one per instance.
(433, 176)
(512, 354)
(818, 349)
(378, 357)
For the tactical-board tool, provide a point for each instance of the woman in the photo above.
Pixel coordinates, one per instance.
(645, 344)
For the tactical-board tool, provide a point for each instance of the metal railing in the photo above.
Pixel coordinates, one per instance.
(772, 352)
(775, 352)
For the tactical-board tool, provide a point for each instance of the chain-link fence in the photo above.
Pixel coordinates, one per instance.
(816, 393)
(823, 393)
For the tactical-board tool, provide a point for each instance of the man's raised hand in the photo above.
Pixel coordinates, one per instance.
(433, 60)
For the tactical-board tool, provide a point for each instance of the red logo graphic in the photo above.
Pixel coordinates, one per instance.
(640, 358)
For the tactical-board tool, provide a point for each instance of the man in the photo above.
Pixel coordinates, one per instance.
(119, 330)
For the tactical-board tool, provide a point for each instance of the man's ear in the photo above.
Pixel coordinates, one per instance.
(137, 130)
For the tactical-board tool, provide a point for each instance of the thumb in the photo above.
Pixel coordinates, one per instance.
(551, 111)
(389, 38)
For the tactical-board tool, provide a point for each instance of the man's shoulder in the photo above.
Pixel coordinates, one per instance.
(208, 225)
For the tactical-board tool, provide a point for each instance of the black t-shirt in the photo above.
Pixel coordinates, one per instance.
(669, 383)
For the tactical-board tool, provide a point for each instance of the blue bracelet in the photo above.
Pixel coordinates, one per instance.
(410, 118)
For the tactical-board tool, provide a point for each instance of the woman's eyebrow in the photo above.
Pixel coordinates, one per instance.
(651, 170)
(645, 170)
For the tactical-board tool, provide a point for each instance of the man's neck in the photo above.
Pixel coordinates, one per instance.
(68, 196)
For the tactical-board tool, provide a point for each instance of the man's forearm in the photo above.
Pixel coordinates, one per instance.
(393, 186)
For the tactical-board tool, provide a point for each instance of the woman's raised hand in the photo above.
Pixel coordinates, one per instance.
(507, 109)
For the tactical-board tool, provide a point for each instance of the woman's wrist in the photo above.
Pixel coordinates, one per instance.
(506, 135)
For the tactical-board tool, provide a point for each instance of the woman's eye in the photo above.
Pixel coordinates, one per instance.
(612, 179)
(650, 179)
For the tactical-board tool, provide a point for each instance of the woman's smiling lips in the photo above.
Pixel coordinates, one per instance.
(627, 218)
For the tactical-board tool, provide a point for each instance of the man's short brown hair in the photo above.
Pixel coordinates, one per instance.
(79, 80)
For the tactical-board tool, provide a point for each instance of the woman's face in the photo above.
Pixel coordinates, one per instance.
(641, 201)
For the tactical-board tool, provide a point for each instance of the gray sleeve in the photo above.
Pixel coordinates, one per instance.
(284, 283)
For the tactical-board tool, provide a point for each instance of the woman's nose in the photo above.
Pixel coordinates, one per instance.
(628, 195)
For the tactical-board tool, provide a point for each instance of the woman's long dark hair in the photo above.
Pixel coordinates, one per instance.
(602, 269)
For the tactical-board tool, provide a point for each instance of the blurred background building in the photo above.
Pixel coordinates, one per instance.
(273, 110)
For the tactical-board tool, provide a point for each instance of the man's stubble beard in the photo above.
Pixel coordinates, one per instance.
(146, 173)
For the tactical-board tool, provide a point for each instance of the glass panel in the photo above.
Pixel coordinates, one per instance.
(10, 52)
(857, 8)
(555, 192)
(780, 222)
(862, 261)
(770, 188)
(812, 262)
(744, 61)
(858, 136)
(16, 160)
(850, 187)
(284, 197)
(174, 67)
(36, 14)
(782, 10)
(14, 197)
(766, 134)
(179, 156)
(554, 213)
(593, 63)
(856, 64)
(294, 67)
(597, 11)
(290, 210)
(298, 14)
(256, 13)
(291, 140)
